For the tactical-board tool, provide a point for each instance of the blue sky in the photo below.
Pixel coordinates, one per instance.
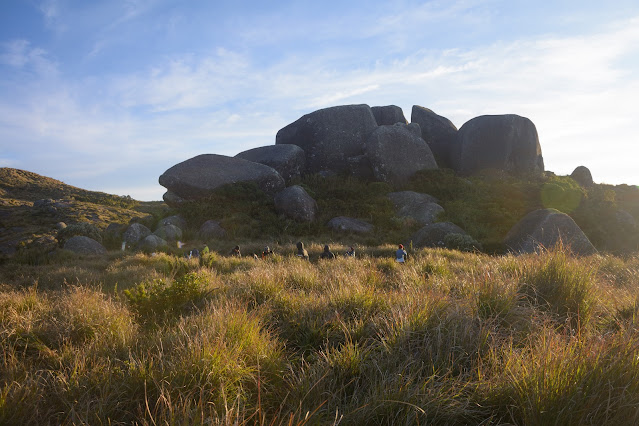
(106, 95)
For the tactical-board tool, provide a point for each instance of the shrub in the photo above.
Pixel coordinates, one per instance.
(166, 299)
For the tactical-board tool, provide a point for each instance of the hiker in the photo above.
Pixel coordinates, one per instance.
(267, 252)
(205, 250)
(301, 251)
(350, 252)
(235, 252)
(400, 255)
(327, 254)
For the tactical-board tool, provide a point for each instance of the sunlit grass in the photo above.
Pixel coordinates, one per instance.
(447, 338)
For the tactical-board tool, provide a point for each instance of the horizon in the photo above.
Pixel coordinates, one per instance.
(106, 96)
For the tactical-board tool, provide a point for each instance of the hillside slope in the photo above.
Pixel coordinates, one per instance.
(32, 205)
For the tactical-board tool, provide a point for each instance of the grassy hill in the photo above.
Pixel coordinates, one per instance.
(23, 225)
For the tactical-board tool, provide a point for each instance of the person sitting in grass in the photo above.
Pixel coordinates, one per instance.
(327, 254)
(235, 252)
(350, 252)
(267, 252)
(400, 255)
(301, 251)
(205, 250)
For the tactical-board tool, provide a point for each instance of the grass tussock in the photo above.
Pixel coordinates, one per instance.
(447, 338)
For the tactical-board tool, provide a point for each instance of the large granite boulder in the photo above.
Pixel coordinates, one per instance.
(396, 153)
(173, 200)
(152, 243)
(438, 132)
(135, 233)
(169, 232)
(388, 115)
(84, 245)
(422, 208)
(503, 142)
(544, 228)
(289, 160)
(434, 235)
(348, 224)
(295, 203)
(176, 220)
(582, 176)
(211, 229)
(199, 176)
(330, 136)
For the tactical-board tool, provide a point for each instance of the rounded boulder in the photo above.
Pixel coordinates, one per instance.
(422, 208)
(545, 228)
(438, 132)
(211, 229)
(330, 136)
(503, 142)
(388, 115)
(84, 245)
(582, 176)
(295, 203)
(198, 177)
(396, 153)
(287, 159)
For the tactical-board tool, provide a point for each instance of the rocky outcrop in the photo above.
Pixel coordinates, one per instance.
(198, 177)
(135, 233)
(348, 224)
(396, 153)
(173, 200)
(84, 245)
(295, 203)
(503, 142)
(287, 159)
(211, 229)
(176, 220)
(544, 228)
(152, 243)
(330, 136)
(582, 176)
(388, 115)
(438, 132)
(421, 208)
(434, 235)
(169, 232)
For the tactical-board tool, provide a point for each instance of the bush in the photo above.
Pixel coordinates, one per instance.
(166, 299)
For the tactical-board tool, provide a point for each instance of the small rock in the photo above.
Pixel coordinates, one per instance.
(295, 203)
(135, 233)
(433, 235)
(348, 224)
(169, 232)
(582, 176)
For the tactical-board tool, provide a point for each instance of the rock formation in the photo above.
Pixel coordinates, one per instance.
(438, 132)
(388, 115)
(504, 142)
(135, 233)
(330, 136)
(289, 160)
(198, 177)
(582, 176)
(395, 153)
(544, 228)
(169, 232)
(295, 203)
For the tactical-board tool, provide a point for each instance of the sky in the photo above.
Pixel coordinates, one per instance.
(107, 94)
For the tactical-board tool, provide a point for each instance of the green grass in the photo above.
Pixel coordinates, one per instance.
(447, 338)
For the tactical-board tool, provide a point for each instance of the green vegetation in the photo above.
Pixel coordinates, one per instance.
(447, 338)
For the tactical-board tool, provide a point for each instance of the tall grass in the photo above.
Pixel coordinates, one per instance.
(447, 338)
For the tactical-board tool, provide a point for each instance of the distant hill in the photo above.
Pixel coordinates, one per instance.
(32, 205)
